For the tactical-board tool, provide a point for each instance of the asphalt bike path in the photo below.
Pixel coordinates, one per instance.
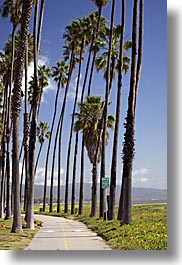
(60, 233)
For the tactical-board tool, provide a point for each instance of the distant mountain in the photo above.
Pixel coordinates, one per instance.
(139, 195)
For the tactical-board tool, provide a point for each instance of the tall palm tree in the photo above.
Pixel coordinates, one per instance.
(3, 140)
(70, 51)
(34, 120)
(59, 127)
(42, 133)
(13, 9)
(102, 175)
(89, 121)
(90, 30)
(26, 128)
(125, 209)
(26, 121)
(118, 110)
(60, 77)
(81, 29)
(44, 73)
(60, 121)
(16, 107)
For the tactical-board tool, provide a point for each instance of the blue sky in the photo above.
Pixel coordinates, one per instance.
(150, 163)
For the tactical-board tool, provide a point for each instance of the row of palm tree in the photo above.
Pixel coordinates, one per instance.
(105, 49)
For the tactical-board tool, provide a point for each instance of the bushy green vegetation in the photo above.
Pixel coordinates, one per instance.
(147, 232)
(15, 241)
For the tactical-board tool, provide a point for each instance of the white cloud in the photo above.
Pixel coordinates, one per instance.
(43, 60)
(140, 176)
(140, 172)
(72, 90)
(40, 174)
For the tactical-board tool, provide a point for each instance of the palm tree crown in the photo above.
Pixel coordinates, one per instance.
(43, 131)
(89, 122)
(100, 2)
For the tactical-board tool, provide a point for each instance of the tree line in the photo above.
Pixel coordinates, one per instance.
(104, 47)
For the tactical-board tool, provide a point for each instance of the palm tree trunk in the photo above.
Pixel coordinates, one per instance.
(59, 175)
(140, 48)
(33, 129)
(8, 131)
(17, 223)
(3, 153)
(38, 156)
(82, 145)
(51, 131)
(58, 130)
(103, 191)
(94, 55)
(16, 108)
(94, 191)
(76, 141)
(8, 186)
(26, 132)
(71, 129)
(2, 191)
(40, 24)
(118, 111)
(21, 178)
(81, 178)
(74, 175)
(125, 210)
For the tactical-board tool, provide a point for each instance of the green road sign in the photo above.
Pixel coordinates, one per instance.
(105, 183)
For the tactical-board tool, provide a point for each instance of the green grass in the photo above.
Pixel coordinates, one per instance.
(148, 230)
(14, 241)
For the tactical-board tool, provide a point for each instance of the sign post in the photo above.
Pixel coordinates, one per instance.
(105, 185)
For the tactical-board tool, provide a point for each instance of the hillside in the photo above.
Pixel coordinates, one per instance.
(140, 195)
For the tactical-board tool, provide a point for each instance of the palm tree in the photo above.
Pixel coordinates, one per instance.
(125, 210)
(34, 121)
(100, 4)
(118, 110)
(16, 107)
(81, 30)
(13, 9)
(89, 121)
(6, 73)
(26, 121)
(89, 29)
(101, 60)
(44, 73)
(4, 86)
(3, 152)
(102, 175)
(70, 51)
(42, 133)
(26, 127)
(60, 122)
(60, 77)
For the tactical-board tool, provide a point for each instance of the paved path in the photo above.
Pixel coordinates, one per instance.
(59, 233)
